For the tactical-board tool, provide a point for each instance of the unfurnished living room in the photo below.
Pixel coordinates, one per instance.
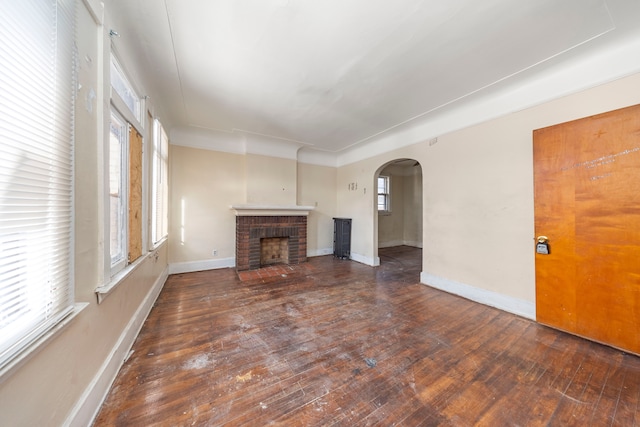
(320, 213)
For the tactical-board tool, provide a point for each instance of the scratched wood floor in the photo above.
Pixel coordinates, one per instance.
(336, 343)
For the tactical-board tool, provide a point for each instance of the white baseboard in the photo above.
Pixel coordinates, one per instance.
(390, 244)
(395, 243)
(372, 261)
(320, 252)
(413, 244)
(88, 406)
(213, 264)
(208, 264)
(503, 302)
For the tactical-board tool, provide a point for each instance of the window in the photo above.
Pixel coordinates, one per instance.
(123, 88)
(124, 168)
(118, 149)
(37, 82)
(160, 190)
(384, 204)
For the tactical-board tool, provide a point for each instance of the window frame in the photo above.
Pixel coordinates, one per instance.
(386, 194)
(118, 263)
(122, 109)
(123, 93)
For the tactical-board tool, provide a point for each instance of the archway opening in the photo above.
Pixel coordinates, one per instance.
(398, 209)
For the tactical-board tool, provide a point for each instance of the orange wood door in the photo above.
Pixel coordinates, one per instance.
(587, 202)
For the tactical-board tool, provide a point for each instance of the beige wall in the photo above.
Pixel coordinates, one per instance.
(478, 194)
(203, 186)
(391, 224)
(65, 379)
(355, 195)
(271, 180)
(316, 187)
(413, 207)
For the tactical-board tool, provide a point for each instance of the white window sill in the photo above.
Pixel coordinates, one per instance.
(160, 243)
(33, 349)
(103, 291)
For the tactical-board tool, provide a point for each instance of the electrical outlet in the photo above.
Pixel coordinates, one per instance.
(214, 252)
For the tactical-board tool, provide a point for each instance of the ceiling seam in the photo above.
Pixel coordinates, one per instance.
(175, 58)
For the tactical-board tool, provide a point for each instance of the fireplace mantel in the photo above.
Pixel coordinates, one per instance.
(272, 210)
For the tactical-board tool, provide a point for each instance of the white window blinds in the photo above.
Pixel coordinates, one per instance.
(36, 169)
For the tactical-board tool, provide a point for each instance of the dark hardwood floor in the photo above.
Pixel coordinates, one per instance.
(336, 343)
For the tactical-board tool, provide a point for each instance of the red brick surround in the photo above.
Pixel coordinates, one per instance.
(250, 229)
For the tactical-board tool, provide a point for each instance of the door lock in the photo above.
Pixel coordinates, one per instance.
(542, 245)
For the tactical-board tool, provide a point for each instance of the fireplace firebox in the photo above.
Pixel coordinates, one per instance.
(274, 250)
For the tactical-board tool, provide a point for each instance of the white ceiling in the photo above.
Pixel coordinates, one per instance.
(332, 74)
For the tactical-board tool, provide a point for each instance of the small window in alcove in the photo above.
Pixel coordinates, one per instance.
(384, 204)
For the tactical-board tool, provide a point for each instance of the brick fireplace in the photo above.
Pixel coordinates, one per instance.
(262, 235)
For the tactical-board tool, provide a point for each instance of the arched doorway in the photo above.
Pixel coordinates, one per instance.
(398, 206)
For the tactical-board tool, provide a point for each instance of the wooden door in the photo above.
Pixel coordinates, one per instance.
(587, 202)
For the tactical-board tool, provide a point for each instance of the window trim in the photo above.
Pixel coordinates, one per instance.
(387, 195)
(134, 117)
(119, 107)
(117, 265)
